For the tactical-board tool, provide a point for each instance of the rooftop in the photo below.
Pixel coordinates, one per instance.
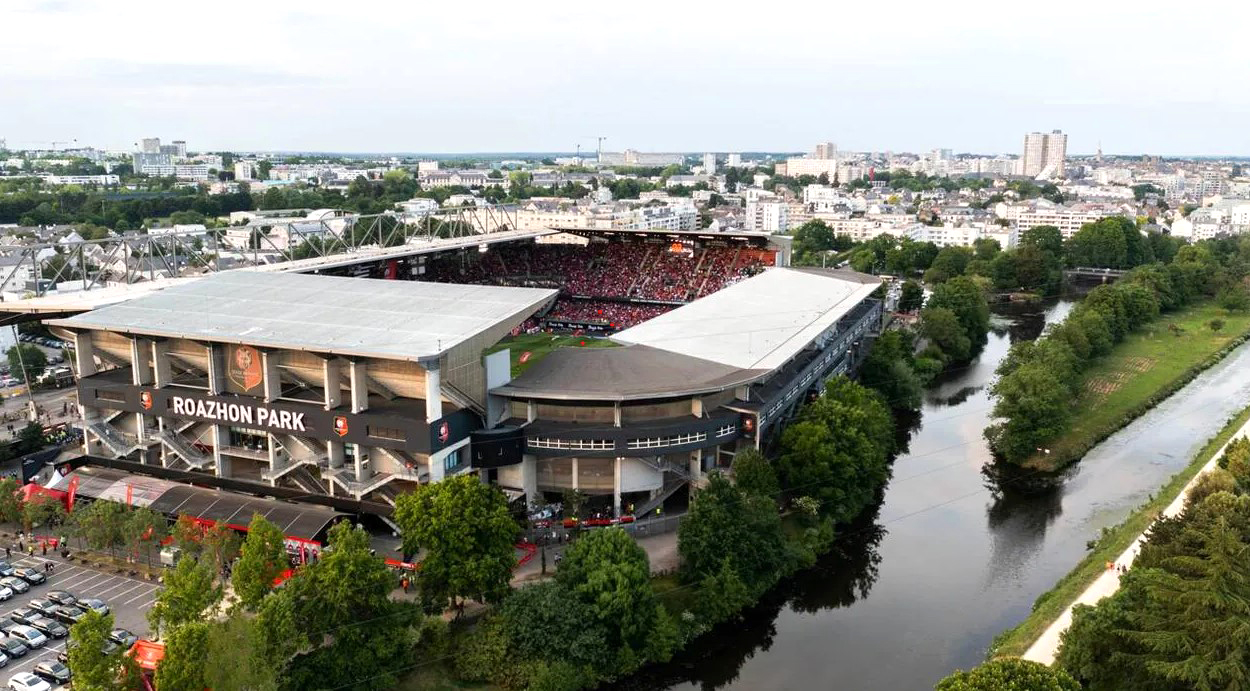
(759, 323)
(403, 320)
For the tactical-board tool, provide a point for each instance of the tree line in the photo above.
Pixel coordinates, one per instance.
(1038, 380)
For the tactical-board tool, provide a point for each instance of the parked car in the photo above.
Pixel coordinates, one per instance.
(6, 569)
(95, 605)
(15, 584)
(30, 636)
(45, 607)
(53, 671)
(31, 576)
(69, 615)
(13, 648)
(4, 660)
(123, 637)
(6, 593)
(25, 681)
(61, 597)
(49, 627)
(23, 615)
(108, 648)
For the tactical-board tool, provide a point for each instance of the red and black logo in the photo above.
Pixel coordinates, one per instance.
(340, 425)
(444, 433)
(145, 399)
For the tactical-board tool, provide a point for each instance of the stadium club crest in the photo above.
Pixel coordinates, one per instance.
(145, 399)
(444, 433)
(245, 367)
(340, 425)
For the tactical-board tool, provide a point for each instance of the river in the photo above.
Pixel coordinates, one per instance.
(921, 584)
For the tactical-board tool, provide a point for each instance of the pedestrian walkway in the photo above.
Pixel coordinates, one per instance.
(1046, 647)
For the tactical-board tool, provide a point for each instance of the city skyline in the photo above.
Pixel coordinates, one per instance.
(434, 80)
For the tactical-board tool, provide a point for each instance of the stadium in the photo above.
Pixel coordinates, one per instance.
(622, 364)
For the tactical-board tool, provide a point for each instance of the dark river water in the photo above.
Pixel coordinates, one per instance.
(921, 584)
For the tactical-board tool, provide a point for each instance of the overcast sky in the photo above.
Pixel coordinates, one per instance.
(421, 75)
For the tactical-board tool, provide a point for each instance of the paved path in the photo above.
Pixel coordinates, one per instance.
(1046, 647)
(661, 551)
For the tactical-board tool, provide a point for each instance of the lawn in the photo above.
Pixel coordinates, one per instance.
(1109, 546)
(1148, 362)
(538, 345)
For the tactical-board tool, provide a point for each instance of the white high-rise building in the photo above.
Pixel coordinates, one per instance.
(825, 150)
(769, 215)
(734, 161)
(180, 148)
(709, 164)
(1044, 153)
(150, 145)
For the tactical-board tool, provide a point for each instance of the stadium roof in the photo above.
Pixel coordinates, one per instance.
(403, 320)
(759, 323)
(303, 521)
(622, 374)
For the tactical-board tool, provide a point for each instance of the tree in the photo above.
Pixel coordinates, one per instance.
(236, 639)
(26, 362)
(188, 594)
(888, 370)
(262, 559)
(949, 263)
(942, 328)
(43, 512)
(101, 523)
(1100, 244)
(90, 666)
(1009, 674)
(142, 528)
(10, 501)
(986, 248)
(468, 534)
(727, 527)
(30, 437)
(545, 621)
(1034, 405)
(262, 170)
(1216, 325)
(1233, 298)
(186, 658)
(966, 299)
(912, 297)
(608, 572)
(755, 475)
(1044, 238)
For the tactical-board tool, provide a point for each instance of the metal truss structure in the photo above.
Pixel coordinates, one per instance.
(138, 257)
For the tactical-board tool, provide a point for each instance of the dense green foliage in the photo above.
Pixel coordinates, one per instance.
(1009, 674)
(26, 362)
(468, 534)
(1038, 380)
(837, 450)
(1181, 618)
(262, 558)
(730, 528)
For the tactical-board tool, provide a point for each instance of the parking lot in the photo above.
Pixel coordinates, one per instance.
(127, 598)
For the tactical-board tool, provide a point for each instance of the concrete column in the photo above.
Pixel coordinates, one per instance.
(216, 370)
(616, 413)
(433, 391)
(696, 468)
(331, 376)
(84, 354)
(437, 473)
(696, 406)
(531, 411)
(141, 431)
(529, 479)
(140, 363)
(575, 472)
(277, 459)
(360, 386)
(336, 454)
(364, 470)
(272, 381)
(220, 460)
(616, 487)
(160, 361)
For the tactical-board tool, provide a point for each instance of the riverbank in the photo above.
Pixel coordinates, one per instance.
(1111, 545)
(1145, 368)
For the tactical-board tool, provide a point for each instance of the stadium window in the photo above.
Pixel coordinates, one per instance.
(725, 431)
(452, 460)
(378, 432)
(114, 396)
(572, 444)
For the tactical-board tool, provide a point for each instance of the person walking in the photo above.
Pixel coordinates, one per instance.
(44, 545)
(8, 553)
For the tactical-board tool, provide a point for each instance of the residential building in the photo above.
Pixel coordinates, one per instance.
(709, 164)
(734, 161)
(245, 170)
(471, 179)
(81, 179)
(150, 145)
(768, 215)
(825, 151)
(1044, 154)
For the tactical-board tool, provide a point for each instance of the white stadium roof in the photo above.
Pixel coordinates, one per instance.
(404, 320)
(759, 323)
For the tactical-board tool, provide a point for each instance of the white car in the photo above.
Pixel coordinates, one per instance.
(25, 681)
(5, 592)
(28, 635)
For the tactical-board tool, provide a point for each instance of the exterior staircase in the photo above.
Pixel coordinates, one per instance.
(192, 456)
(119, 443)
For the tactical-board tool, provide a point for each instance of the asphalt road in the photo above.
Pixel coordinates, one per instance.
(128, 598)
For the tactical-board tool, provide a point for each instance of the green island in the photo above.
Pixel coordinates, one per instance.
(1145, 368)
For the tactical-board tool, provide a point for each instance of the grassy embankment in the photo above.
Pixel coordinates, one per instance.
(538, 345)
(1108, 547)
(1147, 367)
